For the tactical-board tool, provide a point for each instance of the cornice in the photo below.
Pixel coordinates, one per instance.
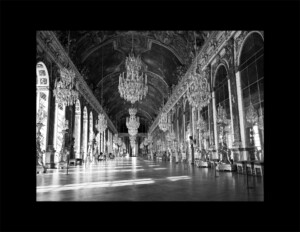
(138, 135)
(210, 49)
(48, 41)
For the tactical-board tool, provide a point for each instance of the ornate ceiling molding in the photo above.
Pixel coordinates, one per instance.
(209, 50)
(142, 111)
(176, 48)
(137, 135)
(48, 41)
(182, 59)
(149, 73)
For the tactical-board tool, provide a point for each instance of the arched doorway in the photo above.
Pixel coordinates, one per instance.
(222, 101)
(42, 99)
(42, 103)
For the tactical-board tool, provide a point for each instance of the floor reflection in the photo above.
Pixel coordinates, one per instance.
(141, 180)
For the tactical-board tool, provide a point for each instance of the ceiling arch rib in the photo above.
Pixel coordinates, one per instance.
(149, 73)
(141, 111)
(93, 48)
(105, 52)
(113, 83)
(151, 111)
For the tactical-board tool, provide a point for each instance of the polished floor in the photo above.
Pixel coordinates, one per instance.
(137, 179)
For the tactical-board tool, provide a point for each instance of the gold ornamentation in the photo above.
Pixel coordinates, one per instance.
(64, 91)
(251, 115)
(132, 122)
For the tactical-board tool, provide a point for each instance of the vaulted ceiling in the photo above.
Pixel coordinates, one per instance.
(100, 57)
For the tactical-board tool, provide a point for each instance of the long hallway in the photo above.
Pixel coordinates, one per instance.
(137, 179)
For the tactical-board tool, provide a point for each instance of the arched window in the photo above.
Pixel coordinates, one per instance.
(42, 100)
(222, 100)
(252, 85)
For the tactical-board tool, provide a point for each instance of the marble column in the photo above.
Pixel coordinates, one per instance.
(77, 134)
(231, 114)
(84, 136)
(216, 155)
(178, 132)
(199, 134)
(241, 114)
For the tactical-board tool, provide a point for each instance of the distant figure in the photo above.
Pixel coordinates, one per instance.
(100, 157)
(111, 156)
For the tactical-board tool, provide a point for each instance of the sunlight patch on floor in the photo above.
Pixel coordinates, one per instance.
(56, 188)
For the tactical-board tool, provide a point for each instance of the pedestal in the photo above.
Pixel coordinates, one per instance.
(49, 157)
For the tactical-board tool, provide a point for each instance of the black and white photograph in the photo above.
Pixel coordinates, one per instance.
(150, 116)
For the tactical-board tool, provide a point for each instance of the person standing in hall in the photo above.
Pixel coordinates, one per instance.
(176, 152)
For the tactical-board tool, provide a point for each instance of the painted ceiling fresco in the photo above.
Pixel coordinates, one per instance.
(100, 57)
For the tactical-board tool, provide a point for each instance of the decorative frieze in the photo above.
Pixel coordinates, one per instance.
(228, 55)
(48, 42)
(238, 44)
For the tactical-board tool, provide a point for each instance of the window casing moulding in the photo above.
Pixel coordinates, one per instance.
(48, 41)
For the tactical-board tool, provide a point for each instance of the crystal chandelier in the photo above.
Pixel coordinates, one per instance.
(132, 122)
(115, 139)
(222, 116)
(133, 87)
(102, 123)
(201, 124)
(251, 115)
(145, 142)
(64, 91)
(120, 142)
(142, 146)
(132, 141)
(170, 136)
(158, 142)
(149, 138)
(163, 122)
(198, 92)
(261, 119)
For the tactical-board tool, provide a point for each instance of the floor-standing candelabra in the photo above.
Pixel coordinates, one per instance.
(41, 115)
(64, 152)
(252, 119)
(223, 123)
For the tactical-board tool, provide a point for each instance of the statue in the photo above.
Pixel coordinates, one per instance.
(39, 152)
(41, 115)
(203, 155)
(225, 153)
